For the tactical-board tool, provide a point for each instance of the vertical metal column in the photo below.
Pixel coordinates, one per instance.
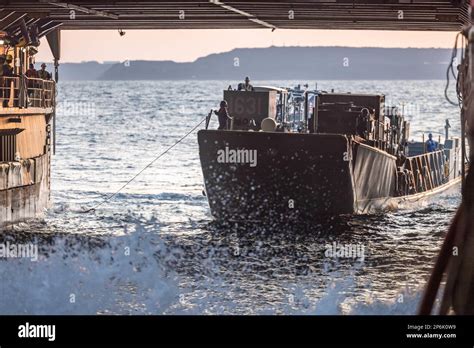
(54, 40)
(56, 78)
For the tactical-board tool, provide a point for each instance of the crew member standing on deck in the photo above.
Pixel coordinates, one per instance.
(7, 69)
(223, 116)
(246, 86)
(2, 63)
(43, 74)
(431, 145)
(31, 72)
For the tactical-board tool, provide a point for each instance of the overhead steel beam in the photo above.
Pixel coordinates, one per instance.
(5, 14)
(16, 30)
(46, 29)
(429, 15)
(249, 16)
(11, 19)
(81, 9)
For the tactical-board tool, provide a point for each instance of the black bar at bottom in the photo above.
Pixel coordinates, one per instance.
(292, 330)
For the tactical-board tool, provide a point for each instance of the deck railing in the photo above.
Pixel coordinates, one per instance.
(422, 173)
(24, 92)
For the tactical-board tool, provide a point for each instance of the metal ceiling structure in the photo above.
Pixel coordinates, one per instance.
(47, 15)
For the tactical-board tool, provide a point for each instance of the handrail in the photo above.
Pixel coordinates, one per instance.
(423, 154)
(24, 92)
(425, 176)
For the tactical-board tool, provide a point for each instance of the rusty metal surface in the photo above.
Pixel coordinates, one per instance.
(24, 189)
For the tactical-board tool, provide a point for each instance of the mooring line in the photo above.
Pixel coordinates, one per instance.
(109, 197)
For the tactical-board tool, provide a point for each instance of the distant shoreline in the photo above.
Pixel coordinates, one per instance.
(277, 63)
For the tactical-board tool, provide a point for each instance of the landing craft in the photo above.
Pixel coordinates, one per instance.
(319, 154)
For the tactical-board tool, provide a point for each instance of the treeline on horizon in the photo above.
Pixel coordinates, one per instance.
(278, 63)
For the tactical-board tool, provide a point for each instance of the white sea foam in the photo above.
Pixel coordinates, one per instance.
(89, 276)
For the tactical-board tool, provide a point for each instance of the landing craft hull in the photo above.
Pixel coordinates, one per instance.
(299, 176)
(295, 176)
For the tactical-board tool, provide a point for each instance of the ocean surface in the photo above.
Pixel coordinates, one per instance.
(154, 249)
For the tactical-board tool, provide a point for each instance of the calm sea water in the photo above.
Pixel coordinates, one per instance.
(155, 249)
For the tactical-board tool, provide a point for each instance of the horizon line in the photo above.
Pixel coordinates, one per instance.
(246, 48)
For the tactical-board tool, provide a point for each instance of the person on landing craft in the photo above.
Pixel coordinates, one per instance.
(223, 116)
(246, 86)
(431, 145)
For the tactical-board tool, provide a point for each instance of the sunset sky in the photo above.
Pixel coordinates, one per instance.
(188, 45)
